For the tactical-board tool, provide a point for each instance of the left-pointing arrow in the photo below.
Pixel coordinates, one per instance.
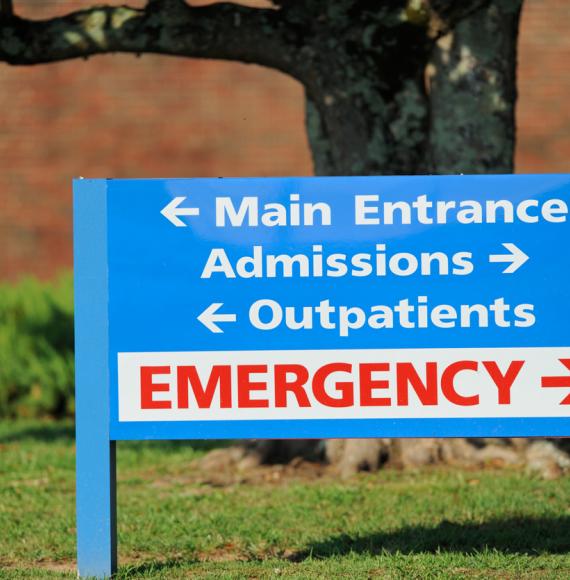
(515, 258)
(210, 317)
(560, 381)
(173, 210)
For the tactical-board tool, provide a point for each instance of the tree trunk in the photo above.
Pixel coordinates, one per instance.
(472, 86)
(446, 110)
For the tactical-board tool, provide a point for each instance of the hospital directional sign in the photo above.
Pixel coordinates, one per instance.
(316, 307)
(255, 307)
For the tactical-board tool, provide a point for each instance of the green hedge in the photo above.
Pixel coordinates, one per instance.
(36, 348)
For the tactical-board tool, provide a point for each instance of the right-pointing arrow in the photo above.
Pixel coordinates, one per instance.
(560, 381)
(516, 258)
(210, 317)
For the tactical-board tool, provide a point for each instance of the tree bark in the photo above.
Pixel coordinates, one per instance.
(319, 140)
(6, 9)
(473, 93)
(367, 110)
(168, 27)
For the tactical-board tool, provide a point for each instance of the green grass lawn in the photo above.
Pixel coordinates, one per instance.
(174, 522)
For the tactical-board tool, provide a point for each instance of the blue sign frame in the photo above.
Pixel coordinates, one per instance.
(97, 424)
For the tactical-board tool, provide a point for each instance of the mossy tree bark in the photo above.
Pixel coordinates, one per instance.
(446, 106)
(392, 86)
(473, 93)
(434, 93)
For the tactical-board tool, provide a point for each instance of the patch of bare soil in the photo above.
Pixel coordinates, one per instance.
(226, 467)
(232, 467)
(59, 566)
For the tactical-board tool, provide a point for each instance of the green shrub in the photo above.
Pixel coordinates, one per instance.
(36, 348)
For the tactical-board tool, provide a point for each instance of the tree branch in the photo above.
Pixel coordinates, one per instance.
(171, 27)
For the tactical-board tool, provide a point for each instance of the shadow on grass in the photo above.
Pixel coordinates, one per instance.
(20, 431)
(530, 536)
(62, 432)
(173, 446)
(150, 568)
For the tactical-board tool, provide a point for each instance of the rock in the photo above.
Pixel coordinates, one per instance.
(222, 459)
(414, 453)
(544, 458)
(353, 455)
(498, 455)
(458, 452)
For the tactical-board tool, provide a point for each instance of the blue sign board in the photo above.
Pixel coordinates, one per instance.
(315, 307)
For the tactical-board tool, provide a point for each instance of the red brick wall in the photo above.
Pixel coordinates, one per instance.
(544, 88)
(121, 116)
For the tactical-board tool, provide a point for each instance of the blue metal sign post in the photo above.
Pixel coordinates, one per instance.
(95, 457)
(314, 307)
